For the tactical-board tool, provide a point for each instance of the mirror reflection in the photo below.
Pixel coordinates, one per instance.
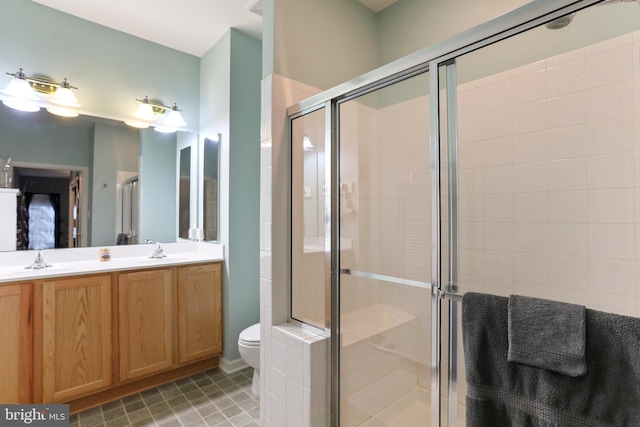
(211, 170)
(130, 212)
(185, 192)
(89, 181)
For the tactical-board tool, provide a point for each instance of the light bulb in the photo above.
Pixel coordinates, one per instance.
(135, 124)
(145, 111)
(21, 104)
(20, 88)
(164, 129)
(62, 112)
(306, 143)
(174, 118)
(64, 96)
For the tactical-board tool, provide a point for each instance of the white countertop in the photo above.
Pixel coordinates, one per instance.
(78, 261)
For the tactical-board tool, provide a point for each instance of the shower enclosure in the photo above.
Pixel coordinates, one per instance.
(505, 160)
(384, 245)
(130, 212)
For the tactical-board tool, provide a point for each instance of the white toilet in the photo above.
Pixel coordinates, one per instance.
(249, 347)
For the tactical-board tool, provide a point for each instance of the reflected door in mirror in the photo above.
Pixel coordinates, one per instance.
(210, 189)
(184, 214)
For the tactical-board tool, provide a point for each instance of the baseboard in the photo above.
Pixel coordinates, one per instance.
(229, 367)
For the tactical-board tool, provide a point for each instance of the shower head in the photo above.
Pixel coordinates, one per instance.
(7, 163)
(561, 22)
(618, 1)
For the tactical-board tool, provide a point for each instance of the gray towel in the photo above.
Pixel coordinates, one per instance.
(547, 334)
(500, 393)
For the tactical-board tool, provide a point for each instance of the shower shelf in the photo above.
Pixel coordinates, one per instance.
(366, 322)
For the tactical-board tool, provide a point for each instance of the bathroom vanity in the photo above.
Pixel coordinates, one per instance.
(92, 332)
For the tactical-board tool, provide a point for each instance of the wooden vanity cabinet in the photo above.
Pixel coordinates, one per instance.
(146, 302)
(16, 343)
(98, 337)
(199, 312)
(76, 337)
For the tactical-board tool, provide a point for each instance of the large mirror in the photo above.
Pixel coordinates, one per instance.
(89, 181)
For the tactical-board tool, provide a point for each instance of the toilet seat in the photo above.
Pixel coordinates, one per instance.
(250, 336)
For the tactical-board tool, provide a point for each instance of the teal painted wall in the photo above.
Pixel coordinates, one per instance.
(158, 186)
(325, 43)
(110, 68)
(244, 192)
(322, 43)
(43, 138)
(411, 25)
(215, 98)
(230, 106)
(267, 38)
(116, 148)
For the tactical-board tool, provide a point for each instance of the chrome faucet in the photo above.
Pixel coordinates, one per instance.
(38, 263)
(158, 251)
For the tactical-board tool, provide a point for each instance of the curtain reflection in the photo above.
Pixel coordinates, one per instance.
(42, 228)
(22, 237)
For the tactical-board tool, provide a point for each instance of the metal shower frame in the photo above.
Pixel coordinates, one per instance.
(432, 59)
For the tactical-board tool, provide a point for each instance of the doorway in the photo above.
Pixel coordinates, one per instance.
(49, 207)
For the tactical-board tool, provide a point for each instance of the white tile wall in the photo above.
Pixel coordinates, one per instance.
(550, 178)
(288, 396)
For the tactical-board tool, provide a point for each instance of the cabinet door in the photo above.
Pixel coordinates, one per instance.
(15, 343)
(76, 334)
(199, 312)
(146, 301)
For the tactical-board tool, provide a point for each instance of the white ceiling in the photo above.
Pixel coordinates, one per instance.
(190, 26)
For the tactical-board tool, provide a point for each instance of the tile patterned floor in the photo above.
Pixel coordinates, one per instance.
(210, 398)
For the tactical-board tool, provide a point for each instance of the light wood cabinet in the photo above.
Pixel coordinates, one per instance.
(199, 312)
(86, 340)
(146, 302)
(76, 337)
(15, 344)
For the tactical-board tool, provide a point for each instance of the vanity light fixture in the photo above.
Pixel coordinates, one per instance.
(173, 121)
(148, 111)
(22, 94)
(174, 118)
(164, 129)
(145, 111)
(306, 143)
(65, 99)
(62, 111)
(64, 95)
(136, 124)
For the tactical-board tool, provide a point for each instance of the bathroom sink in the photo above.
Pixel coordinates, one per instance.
(19, 273)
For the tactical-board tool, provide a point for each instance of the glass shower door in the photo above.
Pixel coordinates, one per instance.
(385, 256)
(547, 195)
